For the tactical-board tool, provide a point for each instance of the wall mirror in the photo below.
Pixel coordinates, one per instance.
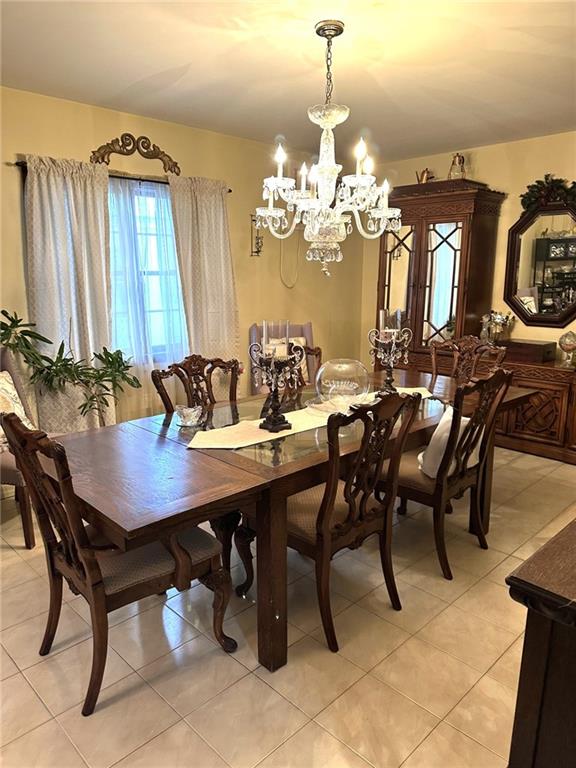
(540, 282)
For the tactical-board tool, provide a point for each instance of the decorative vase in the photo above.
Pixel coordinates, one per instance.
(567, 343)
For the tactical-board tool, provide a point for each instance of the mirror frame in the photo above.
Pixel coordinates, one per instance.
(513, 260)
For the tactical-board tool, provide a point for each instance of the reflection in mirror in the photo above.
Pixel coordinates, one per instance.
(398, 248)
(441, 287)
(546, 268)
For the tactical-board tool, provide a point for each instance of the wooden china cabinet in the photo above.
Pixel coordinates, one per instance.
(438, 269)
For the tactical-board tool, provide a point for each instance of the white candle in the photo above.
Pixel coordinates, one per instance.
(360, 153)
(303, 174)
(385, 191)
(313, 178)
(287, 334)
(280, 158)
(264, 335)
(380, 319)
(368, 165)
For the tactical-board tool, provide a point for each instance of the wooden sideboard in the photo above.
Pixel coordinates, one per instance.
(544, 734)
(546, 424)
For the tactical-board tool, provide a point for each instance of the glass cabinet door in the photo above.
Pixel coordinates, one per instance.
(396, 277)
(441, 278)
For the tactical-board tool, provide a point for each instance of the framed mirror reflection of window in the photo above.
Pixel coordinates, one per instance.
(540, 284)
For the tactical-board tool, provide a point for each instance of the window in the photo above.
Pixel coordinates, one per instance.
(148, 320)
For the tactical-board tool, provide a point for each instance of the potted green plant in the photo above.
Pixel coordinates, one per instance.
(72, 393)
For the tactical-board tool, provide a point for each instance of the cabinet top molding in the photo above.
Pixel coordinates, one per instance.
(446, 186)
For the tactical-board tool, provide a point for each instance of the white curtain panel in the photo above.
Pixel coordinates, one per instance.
(67, 252)
(206, 269)
(68, 278)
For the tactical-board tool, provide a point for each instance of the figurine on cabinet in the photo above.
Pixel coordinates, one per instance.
(457, 167)
(425, 176)
(496, 325)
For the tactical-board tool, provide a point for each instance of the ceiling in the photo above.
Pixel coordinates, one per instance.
(420, 76)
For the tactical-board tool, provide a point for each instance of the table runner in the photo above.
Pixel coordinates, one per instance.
(248, 432)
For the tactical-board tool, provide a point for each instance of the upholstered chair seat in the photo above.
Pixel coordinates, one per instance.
(123, 570)
(410, 473)
(10, 473)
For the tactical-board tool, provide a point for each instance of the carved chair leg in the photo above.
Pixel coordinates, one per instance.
(476, 514)
(219, 582)
(25, 508)
(56, 580)
(99, 651)
(224, 528)
(439, 539)
(385, 537)
(402, 507)
(323, 590)
(243, 537)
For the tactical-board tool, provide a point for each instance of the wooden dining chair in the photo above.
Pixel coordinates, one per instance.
(463, 462)
(9, 471)
(93, 567)
(343, 513)
(313, 354)
(468, 354)
(195, 373)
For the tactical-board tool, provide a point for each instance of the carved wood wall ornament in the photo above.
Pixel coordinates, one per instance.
(128, 144)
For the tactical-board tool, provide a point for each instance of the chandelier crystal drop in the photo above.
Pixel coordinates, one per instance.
(325, 207)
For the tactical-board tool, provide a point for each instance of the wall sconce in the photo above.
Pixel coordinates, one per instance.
(256, 238)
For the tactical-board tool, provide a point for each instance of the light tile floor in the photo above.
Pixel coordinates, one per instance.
(432, 686)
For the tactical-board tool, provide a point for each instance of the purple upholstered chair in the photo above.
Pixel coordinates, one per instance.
(302, 330)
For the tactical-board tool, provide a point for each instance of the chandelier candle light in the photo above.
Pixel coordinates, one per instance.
(389, 346)
(277, 367)
(325, 208)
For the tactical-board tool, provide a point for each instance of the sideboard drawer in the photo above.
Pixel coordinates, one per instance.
(544, 417)
(546, 424)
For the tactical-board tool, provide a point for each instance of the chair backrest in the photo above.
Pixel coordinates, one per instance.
(484, 396)
(195, 373)
(58, 511)
(7, 363)
(314, 354)
(379, 420)
(303, 330)
(467, 354)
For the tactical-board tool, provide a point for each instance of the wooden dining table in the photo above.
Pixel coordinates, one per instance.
(138, 481)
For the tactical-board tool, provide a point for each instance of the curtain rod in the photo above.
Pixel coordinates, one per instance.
(113, 174)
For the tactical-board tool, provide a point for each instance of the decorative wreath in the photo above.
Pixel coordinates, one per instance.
(548, 190)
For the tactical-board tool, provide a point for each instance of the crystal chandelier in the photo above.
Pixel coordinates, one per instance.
(325, 208)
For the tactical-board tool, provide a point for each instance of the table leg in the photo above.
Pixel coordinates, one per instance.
(272, 580)
(486, 489)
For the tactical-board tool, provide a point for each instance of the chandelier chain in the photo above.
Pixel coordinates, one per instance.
(329, 81)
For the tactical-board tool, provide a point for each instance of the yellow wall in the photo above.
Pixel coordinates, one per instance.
(507, 168)
(41, 125)
(343, 307)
